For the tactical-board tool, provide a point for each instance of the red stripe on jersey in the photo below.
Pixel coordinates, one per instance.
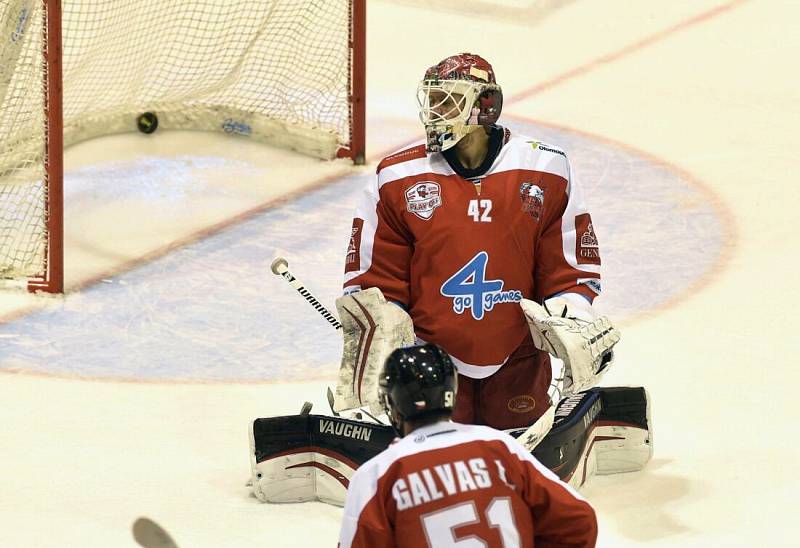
(402, 156)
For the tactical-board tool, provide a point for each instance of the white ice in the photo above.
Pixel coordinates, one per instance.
(131, 396)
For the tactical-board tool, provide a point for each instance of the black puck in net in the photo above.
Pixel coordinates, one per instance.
(147, 122)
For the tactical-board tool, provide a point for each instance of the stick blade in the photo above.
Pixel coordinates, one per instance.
(149, 534)
(331, 402)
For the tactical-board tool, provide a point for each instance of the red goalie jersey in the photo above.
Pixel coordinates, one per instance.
(461, 253)
(450, 484)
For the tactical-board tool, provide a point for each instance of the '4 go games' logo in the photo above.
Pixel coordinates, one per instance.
(470, 290)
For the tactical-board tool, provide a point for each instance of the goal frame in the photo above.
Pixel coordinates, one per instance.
(51, 279)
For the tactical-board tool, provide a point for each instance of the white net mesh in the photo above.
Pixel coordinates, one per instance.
(22, 192)
(277, 71)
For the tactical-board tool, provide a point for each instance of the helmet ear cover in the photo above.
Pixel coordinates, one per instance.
(490, 104)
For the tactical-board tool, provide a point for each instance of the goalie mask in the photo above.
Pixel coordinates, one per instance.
(417, 381)
(457, 96)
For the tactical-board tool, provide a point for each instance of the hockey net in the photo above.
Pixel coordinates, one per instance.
(280, 71)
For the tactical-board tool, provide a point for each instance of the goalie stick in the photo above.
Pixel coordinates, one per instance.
(280, 267)
(149, 534)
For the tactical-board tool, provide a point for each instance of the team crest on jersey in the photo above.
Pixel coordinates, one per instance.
(532, 200)
(521, 404)
(423, 198)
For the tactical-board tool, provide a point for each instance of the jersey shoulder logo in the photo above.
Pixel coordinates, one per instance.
(538, 145)
(587, 250)
(532, 200)
(353, 261)
(423, 198)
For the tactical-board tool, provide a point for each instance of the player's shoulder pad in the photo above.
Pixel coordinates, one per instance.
(481, 431)
(535, 154)
(405, 155)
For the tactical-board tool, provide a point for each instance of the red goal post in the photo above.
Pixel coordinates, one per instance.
(290, 73)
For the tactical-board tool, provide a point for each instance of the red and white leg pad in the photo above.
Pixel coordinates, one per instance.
(372, 329)
(598, 432)
(301, 458)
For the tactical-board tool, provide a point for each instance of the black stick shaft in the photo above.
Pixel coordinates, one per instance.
(280, 267)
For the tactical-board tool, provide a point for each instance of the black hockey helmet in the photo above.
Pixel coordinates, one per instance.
(417, 381)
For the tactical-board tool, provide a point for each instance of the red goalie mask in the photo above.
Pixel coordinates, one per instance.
(456, 96)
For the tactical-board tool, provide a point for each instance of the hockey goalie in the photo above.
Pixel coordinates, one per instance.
(476, 240)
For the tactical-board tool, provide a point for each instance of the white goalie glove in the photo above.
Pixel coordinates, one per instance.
(372, 329)
(574, 334)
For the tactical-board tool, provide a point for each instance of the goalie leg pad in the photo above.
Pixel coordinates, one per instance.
(600, 431)
(372, 329)
(628, 425)
(301, 458)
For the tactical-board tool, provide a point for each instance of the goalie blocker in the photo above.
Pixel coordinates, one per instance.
(301, 458)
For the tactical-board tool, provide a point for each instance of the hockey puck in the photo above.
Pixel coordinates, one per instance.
(147, 122)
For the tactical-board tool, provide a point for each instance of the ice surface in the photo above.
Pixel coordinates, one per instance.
(213, 310)
(699, 239)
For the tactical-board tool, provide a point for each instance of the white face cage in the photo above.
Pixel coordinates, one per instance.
(448, 110)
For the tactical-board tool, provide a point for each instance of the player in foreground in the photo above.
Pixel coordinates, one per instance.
(447, 484)
(476, 240)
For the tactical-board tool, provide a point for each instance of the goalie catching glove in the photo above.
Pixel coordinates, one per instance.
(372, 329)
(575, 335)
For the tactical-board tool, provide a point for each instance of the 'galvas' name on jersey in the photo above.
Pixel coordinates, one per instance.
(443, 479)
